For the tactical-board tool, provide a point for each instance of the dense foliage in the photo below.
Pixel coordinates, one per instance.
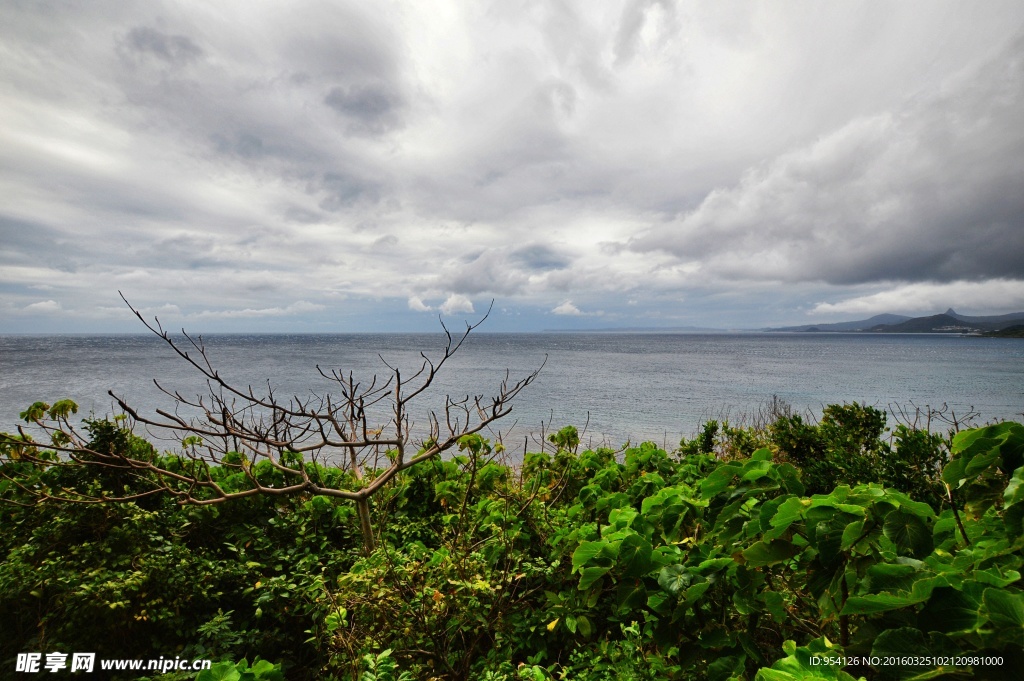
(748, 553)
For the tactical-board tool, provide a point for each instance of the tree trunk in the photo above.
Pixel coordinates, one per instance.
(369, 544)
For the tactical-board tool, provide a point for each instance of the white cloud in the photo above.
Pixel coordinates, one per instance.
(457, 303)
(567, 308)
(296, 308)
(43, 306)
(417, 305)
(967, 297)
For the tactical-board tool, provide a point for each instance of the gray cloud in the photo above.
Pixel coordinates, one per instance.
(663, 153)
(243, 144)
(386, 241)
(931, 191)
(342, 190)
(487, 273)
(369, 109)
(174, 49)
(540, 257)
(20, 239)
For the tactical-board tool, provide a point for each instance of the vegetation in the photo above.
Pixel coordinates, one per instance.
(1015, 331)
(262, 443)
(749, 553)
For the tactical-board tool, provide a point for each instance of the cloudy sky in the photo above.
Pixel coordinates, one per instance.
(354, 166)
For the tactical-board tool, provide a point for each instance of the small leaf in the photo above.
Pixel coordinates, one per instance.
(586, 628)
(674, 578)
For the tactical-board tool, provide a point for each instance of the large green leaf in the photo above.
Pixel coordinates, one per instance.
(909, 532)
(828, 539)
(726, 667)
(901, 646)
(768, 510)
(669, 521)
(977, 450)
(586, 552)
(661, 499)
(1009, 438)
(631, 595)
(1005, 611)
(918, 508)
(589, 575)
(264, 670)
(695, 591)
(1013, 518)
(221, 671)
(755, 470)
(762, 553)
(997, 575)
(719, 480)
(713, 637)
(1014, 493)
(1013, 505)
(589, 495)
(806, 663)
(635, 555)
(660, 602)
(775, 604)
(852, 534)
(872, 603)
(621, 518)
(891, 577)
(790, 478)
(789, 511)
(949, 610)
(712, 565)
(920, 592)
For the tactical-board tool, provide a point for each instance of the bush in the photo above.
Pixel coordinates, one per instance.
(580, 564)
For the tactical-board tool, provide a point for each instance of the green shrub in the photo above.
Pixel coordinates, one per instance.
(585, 565)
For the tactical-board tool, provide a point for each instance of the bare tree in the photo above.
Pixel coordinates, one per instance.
(364, 429)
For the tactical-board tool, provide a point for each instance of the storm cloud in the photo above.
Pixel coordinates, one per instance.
(931, 191)
(638, 163)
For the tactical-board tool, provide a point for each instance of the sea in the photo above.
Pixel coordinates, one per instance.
(614, 387)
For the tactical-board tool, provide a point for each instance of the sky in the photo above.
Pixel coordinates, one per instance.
(352, 166)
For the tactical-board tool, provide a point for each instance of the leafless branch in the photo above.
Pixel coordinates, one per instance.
(364, 429)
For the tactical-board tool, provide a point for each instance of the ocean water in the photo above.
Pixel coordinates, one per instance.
(635, 387)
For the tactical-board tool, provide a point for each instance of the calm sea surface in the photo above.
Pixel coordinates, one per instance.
(634, 386)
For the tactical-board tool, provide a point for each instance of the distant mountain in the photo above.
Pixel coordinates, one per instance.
(994, 319)
(949, 322)
(938, 323)
(862, 325)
